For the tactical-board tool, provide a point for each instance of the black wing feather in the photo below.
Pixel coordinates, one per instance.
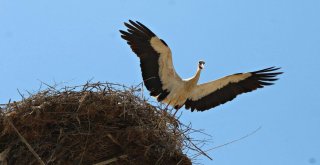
(138, 37)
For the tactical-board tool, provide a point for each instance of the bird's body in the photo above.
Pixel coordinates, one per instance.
(180, 92)
(166, 85)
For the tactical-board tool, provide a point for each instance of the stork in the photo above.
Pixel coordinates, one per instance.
(161, 79)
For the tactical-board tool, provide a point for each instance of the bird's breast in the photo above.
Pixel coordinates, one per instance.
(178, 95)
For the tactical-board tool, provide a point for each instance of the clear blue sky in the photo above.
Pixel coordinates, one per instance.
(73, 41)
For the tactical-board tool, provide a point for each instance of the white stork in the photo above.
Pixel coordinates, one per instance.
(161, 79)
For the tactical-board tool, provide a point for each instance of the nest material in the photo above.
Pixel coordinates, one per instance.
(90, 124)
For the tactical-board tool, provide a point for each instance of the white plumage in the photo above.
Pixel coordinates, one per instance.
(165, 84)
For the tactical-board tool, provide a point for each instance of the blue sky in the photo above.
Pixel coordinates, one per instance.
(74, 41)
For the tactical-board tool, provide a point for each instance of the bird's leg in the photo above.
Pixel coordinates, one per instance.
(177, 107)
(168, 105)
(176, 121)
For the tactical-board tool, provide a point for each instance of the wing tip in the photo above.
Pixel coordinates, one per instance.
(267, 76)
(270, 69)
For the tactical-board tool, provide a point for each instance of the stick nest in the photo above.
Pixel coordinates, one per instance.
(100, 123)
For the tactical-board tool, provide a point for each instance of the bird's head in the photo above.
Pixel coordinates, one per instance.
(201, 64)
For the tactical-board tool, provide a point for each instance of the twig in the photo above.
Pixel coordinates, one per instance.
(87, 138)
(159, 160)
(113, 140)
(3, 154)
(199, 149)
(53, 88)
(24, 140)
(111, 160)
(22, 96)
(233, 141)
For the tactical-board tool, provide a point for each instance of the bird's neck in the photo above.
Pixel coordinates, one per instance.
(194, 80)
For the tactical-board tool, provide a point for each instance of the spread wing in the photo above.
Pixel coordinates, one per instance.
(214, 93)
(157, 69)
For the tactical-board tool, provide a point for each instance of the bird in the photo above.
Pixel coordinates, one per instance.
(163, 82)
